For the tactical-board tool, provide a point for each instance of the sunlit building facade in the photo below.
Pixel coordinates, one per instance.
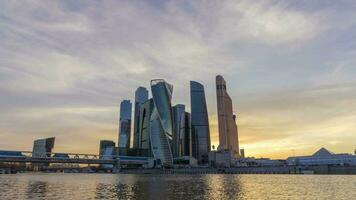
(125, 124)
(228, 135)
(161, 123)
(141, 95)
(199, 123)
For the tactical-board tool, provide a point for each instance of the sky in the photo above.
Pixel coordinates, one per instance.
(290, 68)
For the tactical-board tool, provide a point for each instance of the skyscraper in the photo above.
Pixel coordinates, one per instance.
(125, 124)
(141, 95)
(144, 143)
(161, 123)
(228, 136)
(178, 129)
(199, 123)
(186, 137)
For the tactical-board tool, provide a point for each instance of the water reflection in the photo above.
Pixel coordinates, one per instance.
(36, 190)
(224, 187)
(111, 186)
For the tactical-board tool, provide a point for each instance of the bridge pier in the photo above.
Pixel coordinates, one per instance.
(117, 165)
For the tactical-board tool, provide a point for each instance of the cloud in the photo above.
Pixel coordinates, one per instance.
(65, 66)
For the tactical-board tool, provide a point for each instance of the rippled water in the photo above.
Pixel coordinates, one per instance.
(112, 186)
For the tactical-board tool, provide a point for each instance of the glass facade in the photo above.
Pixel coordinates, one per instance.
(186, 137)
(161, 123)
(144, 126)
(125, 124)
(178, 129)
(141, 95)
(199, 123)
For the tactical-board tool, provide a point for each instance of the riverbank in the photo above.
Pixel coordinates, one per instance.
(250, 170)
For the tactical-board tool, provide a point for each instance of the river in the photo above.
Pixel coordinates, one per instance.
(171, 186)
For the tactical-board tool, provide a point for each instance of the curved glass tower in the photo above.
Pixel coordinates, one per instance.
(200, 123)
(161, 123)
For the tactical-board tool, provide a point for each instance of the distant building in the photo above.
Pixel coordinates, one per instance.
(186, 140)
(258, 162)
(178, 129)
(144, 143)
(161, 123)
(220, 158)
(323, 157)
(43, 147)
(125, 124)
(199, 123)
(228, 136)
(105, 144)
(141, 95)
(242, 153)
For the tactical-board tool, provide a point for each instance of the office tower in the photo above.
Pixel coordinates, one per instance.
(104, 144)
(199, 123)
(43, 147)
(186, 137)
(161, 123)
(144, 144)
(125, 124)
(141, 95)
(178, 129)
(228, 136)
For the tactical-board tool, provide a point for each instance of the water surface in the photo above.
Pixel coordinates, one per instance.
(212, 186)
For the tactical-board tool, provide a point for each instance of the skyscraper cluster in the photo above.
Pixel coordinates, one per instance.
(166, 132)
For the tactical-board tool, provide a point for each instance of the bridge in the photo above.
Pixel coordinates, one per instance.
(75, 158)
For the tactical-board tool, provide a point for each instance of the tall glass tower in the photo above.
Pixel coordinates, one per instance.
(161, 123)
(199, 123)
(144, 143)
(125, 124)
(178, 129)
(141, 95)
(228, 136)
(186, 145)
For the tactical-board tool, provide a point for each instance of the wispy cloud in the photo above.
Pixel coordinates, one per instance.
(289, 65)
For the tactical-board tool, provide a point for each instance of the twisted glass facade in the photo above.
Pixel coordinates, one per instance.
(199, 123)
(161, 123)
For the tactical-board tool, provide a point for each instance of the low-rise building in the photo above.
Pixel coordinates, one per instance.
(323, 157)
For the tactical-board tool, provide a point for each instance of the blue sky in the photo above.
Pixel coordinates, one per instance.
(289, 65)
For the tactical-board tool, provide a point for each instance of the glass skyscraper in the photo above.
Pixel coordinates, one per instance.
(178, 129)
(141, 95)
(161, 123)
(199, 123)
(144, 143)
(186, 141)
(228, 136)
(125, 124)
